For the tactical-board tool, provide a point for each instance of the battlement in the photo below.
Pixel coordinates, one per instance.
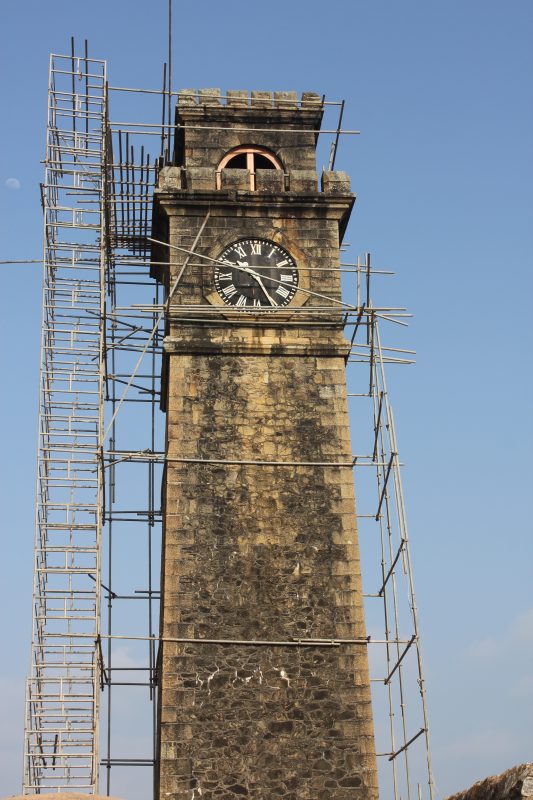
(237, 98)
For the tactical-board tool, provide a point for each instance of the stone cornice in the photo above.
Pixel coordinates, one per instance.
(186, 345)
(244, 201)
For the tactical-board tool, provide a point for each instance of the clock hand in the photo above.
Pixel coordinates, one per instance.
(244, 266)
(261, 284)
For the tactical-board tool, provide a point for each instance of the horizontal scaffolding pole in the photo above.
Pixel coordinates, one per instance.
(149, 457)
(303, 642)
(117, 126)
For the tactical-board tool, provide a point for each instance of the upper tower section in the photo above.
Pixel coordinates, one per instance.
(255, 141)
(248, 160)
(258, 141)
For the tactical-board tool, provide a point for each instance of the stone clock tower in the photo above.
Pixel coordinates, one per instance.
(260, 697)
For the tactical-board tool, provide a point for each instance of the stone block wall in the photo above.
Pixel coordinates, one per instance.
(255, 552)
(278, 121)
(311, 245)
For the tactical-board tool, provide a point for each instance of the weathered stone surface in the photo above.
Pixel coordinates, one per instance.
(286, 99)
(187, 97)
(295, 146)
(335, 182)
(209, 97)
(237, 98)
(314, 245)
(235, 179)
(170, 178)
(514, 784)
(303, 180)
(241, 98)
(269, 180)
(200, 179)
(262, 99)
(258, 552)
(311, 99)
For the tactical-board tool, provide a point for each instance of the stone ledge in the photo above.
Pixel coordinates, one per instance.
(203, 179)
(172, 345)
(514, 784)
(337, 206)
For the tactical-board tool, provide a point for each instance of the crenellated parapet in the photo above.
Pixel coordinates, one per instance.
(236, 98)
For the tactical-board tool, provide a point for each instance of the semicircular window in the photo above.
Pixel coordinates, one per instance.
(250, 158)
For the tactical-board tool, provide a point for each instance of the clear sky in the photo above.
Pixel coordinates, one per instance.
(441, 90)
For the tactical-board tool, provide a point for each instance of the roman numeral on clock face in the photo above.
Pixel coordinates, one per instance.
(224, 276)
(256, 248)
(239, 249)
(282, 291)
(229, 291)
(286, 278)
(241, 300)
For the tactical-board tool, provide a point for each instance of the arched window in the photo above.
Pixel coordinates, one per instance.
(250, 158)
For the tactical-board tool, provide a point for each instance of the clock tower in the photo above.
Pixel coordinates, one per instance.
(263, 676)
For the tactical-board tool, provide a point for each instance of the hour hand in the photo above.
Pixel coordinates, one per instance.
(245, 266)
(262, 285)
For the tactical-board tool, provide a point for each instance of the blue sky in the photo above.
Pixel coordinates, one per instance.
(441, 91)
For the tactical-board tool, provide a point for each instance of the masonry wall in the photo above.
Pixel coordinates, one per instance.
(268, 553)
(209, 127)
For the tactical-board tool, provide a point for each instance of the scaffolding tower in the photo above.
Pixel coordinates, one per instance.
(101, 454)
(61, 745)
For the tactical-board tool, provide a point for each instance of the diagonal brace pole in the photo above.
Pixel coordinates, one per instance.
(397, 665)
(384, 490)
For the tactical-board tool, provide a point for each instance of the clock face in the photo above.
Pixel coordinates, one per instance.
(256, 273)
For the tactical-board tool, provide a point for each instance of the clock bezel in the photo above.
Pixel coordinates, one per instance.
(284, 241)
(279, 303)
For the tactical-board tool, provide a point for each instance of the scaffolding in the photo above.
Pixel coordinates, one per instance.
(61, 744)
(101, 452)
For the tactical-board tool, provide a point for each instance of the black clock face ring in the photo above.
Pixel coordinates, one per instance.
(256, 273)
